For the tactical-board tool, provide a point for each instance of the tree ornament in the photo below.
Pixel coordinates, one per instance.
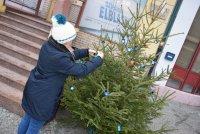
(119, 128)
(102, 41)
(153, 62)
(132, 49)
(107, 48)
(106, 92)
(131, 63)
(123, 40)
(142, 66)
(79, 61)
(91, 130)
(72, 88)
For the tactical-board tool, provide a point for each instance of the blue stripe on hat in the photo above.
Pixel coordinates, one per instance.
(68, 38)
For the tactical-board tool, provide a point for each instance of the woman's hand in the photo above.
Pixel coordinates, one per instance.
(92, 52)
(101, 54)
(97, 53)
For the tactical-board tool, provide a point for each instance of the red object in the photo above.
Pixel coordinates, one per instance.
(186, 75)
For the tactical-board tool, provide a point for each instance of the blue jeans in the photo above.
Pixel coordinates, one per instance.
(28, 125)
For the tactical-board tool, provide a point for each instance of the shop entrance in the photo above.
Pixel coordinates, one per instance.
(25, 6)
(186, 72)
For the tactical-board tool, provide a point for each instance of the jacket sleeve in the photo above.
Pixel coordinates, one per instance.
(70, 67)
(81, 53)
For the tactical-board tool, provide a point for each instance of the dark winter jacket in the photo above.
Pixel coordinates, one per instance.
(45, 84)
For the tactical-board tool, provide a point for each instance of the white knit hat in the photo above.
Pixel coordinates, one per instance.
(62, 31)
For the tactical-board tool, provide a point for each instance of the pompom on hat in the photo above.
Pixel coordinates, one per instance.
(62, 31)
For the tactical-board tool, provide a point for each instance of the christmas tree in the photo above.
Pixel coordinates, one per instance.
(117, 98)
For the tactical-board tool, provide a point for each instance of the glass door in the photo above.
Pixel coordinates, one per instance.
(185, 74)
(196, 71)
(191, 83)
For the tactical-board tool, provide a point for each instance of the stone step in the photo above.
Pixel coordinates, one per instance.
(22, 33)
(15, 64)
(21, 37)
(10, 98)
(20, 42)
(18, 52)
(12, 78)
(25, 26)
(30, 20)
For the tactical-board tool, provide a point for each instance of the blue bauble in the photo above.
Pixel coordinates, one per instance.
(119, 127)
(79, 61)
(106, 93)
(153, 62)
(142, 66)
(132, 49)
(72, 88)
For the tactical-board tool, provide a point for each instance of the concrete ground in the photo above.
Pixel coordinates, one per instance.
(9, 123)
(185, 119)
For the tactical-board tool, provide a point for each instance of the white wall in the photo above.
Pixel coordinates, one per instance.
(182, 24)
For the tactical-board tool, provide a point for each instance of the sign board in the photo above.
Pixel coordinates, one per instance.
(106, 13)
(169, 56)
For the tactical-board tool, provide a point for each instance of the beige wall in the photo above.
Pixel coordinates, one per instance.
(1, 2)
(2, 8)
(85, 40)
(163, 21)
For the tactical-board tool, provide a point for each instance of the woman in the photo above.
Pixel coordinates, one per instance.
(45, 84)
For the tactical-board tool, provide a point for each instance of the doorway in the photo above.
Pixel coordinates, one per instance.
(186, 71)
(25, 6)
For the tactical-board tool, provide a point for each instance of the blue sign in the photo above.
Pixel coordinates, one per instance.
(169, 56)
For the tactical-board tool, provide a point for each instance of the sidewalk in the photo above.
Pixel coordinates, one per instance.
(184, 118)
(9, 123)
